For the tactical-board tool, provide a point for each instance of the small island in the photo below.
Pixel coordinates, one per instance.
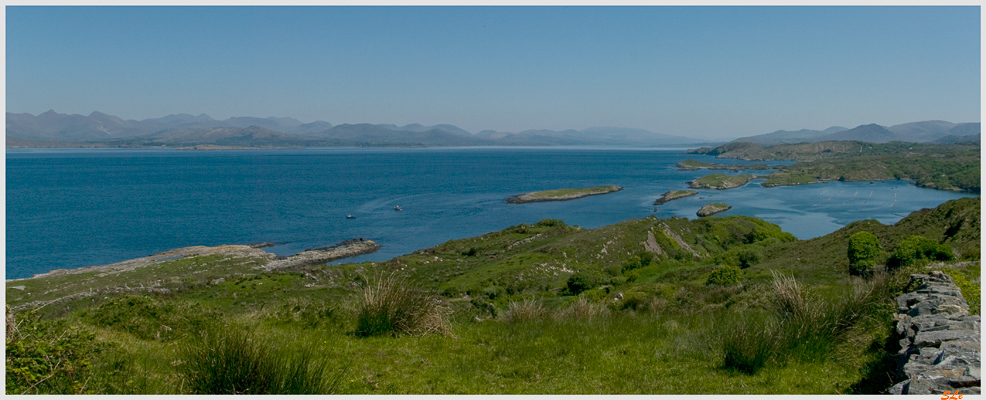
(562, 194)
(674, 195)
(713, 208)
(720, 181)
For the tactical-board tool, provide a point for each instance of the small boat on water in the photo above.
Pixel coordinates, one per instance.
(349, 216)
(398, 208)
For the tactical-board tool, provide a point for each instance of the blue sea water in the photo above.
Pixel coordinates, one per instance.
(77, 208)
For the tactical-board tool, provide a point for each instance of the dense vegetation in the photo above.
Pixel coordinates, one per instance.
(709, 305)
(939, 166)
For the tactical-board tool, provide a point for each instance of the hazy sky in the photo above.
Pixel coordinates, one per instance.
(708, 72)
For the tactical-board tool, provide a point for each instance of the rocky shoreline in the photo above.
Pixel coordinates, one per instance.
(346, 249)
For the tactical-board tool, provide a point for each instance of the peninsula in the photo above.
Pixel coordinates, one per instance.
(562, 194)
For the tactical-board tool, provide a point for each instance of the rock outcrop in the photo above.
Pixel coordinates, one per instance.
(349, 248)
(714, 208)
(940, 341)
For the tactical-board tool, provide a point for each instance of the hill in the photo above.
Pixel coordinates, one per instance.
(938, 166)
(918, 132)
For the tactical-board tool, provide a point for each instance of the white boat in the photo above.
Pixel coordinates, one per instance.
(349, 216)
(398, 208)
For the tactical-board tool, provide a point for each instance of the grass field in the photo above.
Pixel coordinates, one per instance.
(543, 308)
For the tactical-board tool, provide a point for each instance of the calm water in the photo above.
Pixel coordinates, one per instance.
(76, 208)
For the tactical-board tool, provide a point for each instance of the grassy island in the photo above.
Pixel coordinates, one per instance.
(562, 194)
(714, 208)
(720, 181)
(674, 195)
(714, 305)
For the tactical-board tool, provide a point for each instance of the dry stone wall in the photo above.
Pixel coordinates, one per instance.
(940, 342)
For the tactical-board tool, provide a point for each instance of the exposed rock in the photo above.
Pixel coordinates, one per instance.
(193, 251)
(346, 249)
(940, 341)
(651, 244)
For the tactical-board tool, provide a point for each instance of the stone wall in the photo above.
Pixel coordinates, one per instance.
(940, 341)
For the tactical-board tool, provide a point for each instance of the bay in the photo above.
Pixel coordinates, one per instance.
(80, 207)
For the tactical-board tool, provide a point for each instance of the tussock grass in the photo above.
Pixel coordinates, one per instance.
(799, 325)
(583, 310)
(524, 311)
(389, 305)
(232, 360)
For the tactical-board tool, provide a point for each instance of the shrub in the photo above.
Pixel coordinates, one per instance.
(725, 275)
(523, 311)
(581, 281)
(388, 305)
(863, 251)
(234, 361)
(917, 248)
(47, 356)
(550, 222)
(748, 256)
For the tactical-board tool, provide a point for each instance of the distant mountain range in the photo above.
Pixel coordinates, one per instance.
(919, 132)
(51, 129)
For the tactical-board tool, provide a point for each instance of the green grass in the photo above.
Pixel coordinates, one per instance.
(647, 324)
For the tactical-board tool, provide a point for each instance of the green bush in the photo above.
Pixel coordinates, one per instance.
(918, 248)
(582, 281)
(725, 275)
(48, 356)
(748, 256)
(864, 250)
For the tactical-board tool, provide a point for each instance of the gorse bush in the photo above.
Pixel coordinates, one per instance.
(918, 248)
(388, 305)
(581, 281)
(725, 275)
(231, 360)
(864, 251)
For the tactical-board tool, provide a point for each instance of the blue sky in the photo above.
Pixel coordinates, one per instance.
(706, 72)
